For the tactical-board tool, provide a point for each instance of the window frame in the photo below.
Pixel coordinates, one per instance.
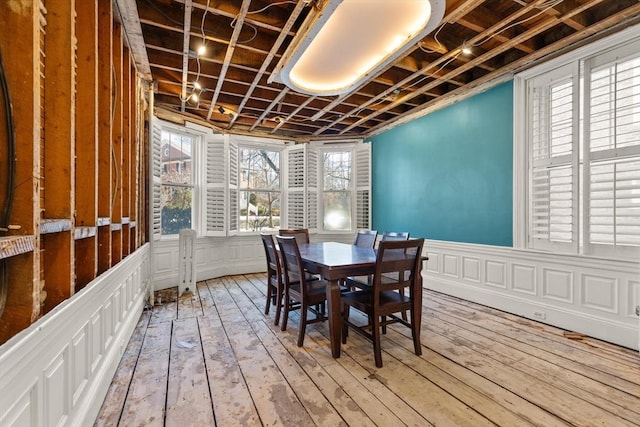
(350, 190)
(256, 147)
(198, 135)
(621, 42)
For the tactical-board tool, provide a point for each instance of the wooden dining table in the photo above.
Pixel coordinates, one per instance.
(334, 261)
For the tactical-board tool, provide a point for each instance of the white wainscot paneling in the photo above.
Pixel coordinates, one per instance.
(215, 257)
(633, 297)
(433, 264)
(56, 390)
(471, 269)
(450, 265)
(80, 361)
(590, 295)
(523, 278)
(57, 371)
(557, 285)
(600, 293)
(496, 272)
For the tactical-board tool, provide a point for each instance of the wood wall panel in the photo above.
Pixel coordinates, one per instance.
(58, 148)
(86, 201)
(76, 98)
(105, 110)
(21, 62)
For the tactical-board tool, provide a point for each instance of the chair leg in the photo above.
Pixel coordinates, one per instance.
(269, 296)
(345, 326)
(285, 316)
(404, 312)
(384, 325)
(278, 306)
(415, 332)
(377, 348)
(303, 324)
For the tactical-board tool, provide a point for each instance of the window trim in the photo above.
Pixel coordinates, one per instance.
(199, 135)
(338, 148)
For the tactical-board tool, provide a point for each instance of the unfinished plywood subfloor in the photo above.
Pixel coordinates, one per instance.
(214, 359)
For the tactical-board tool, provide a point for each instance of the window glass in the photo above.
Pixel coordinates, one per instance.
(337, 190)
(177, 185)
(259, 181)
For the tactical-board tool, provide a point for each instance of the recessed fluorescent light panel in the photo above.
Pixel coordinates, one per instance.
(344, 42)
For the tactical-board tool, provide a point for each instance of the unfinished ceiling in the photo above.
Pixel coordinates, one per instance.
(245, 38)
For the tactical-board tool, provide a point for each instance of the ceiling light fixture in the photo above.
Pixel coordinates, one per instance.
(342, 43)
(466, 48)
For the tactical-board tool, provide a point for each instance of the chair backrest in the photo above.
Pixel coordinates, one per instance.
(397, 265)
(301, 234)
(395, 235)
(273, 264)
(366, 238)
(290, 254)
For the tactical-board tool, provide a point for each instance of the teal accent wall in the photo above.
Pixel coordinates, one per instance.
(449, 175)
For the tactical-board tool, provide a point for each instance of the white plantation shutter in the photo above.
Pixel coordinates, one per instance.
(295, 187)
(215, 189)
(312, 186)
(156, 145)
(362, 168)
(553, 159)
(612, 154)
(234, 221)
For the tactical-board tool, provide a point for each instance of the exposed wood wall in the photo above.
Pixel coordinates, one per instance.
(78, 193)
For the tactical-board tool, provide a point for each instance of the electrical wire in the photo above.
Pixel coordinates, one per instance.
(11, 148)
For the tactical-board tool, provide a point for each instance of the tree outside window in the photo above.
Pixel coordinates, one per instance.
(177, 185)
(259, 189)
(337, 190)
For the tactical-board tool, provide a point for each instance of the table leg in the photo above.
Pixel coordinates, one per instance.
(335, 317)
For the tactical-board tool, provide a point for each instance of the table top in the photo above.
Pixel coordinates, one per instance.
(334, 254)
(335, 260)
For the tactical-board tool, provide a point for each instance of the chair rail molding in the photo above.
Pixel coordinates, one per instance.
(590, 295)
(57, 371)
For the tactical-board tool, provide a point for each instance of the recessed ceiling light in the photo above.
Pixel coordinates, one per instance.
(347, 41)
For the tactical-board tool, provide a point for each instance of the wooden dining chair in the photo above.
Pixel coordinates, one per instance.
(300, 293)
(395, 235)
(364, 282)
(301, 234)
(400, 259)
(366, 238)
(275, 284)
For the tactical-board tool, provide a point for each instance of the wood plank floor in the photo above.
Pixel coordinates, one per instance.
(215, 359)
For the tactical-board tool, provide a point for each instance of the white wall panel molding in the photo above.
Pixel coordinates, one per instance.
(57, 371)
(591, 295)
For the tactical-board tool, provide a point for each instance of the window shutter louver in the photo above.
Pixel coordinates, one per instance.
(156, 144)
(612, 132)
(312, 187)
(233, 188)
(295, 187)
(553, 136)
(363, 186)
(215, 187)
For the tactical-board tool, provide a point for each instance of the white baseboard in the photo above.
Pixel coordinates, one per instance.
(57, 371)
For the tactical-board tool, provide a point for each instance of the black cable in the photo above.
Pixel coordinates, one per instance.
(11, 148)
